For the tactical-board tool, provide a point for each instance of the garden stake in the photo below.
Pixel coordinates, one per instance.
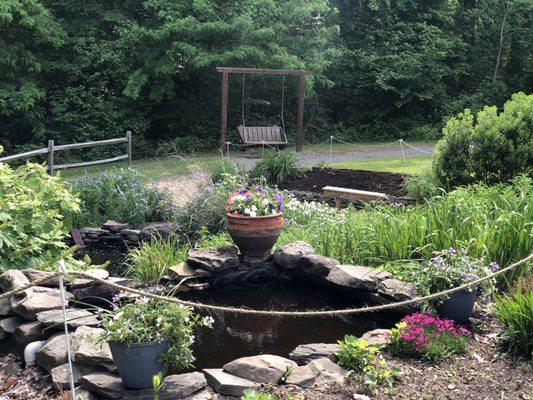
(403, 154)
(63, 272)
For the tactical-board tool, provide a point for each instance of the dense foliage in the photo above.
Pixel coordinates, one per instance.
(277, 166)
(120, 195)
(490, 148)
(33, 226)
(79, 70)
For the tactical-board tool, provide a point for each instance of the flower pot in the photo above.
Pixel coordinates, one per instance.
(138, 362)
(458, 307)
(255, 236)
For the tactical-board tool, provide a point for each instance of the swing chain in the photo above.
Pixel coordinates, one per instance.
(242, 102)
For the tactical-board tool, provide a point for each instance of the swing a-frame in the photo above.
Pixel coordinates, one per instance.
(254, 136)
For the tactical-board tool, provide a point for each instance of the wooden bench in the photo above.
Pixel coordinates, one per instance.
(339, 193)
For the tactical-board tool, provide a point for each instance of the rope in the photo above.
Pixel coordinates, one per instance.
(274, 313)
(415, 148)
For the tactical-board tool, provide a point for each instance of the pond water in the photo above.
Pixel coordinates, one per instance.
(236, 336)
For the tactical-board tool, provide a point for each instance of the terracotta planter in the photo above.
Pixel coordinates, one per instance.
(255, 236)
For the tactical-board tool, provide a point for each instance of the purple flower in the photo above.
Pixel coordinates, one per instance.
(242, 192)
(494, 265)
(279, 200)
(451, 251)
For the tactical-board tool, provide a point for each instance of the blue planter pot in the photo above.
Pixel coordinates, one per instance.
(458, 307)
(138, 362)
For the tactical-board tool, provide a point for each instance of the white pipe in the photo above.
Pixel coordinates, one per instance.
(30, 352)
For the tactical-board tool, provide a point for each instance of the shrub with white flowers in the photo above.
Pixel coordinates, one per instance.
(154, 320)
(254, 202)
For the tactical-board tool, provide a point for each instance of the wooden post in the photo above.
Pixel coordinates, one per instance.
(224, 113)
(300, 115)
(50, 160)
(128, 147)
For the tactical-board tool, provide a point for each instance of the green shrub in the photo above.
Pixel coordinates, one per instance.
(33, 226)
(423, 186)
(277, 166)
(358, 356)
(250, 394)
(152, 259)
(515, 311)
(489, 148)
(185, 145)
(224, 167)
(120, 194)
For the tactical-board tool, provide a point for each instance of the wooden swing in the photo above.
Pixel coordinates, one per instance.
(254, 136)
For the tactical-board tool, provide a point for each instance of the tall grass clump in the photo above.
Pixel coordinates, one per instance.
(515, 311)
(277, 166)
(224, 167)
(494, 223)
(121, 195)
(152, 259)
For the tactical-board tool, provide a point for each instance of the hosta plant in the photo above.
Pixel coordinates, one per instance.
(424, 336)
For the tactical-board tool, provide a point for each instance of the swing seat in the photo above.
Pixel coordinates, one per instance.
(262, 135)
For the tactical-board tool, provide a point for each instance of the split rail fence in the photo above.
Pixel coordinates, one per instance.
(52, 149)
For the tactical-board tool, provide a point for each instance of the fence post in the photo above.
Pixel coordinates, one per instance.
(128, 149)
(51, 157)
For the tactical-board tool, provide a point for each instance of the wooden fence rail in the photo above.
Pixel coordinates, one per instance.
(52, 148)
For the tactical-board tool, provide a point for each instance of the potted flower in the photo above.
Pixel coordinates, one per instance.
(148, 337)
(447, 270)
(255, 221)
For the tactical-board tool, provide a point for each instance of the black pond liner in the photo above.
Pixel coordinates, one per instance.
(266, 287)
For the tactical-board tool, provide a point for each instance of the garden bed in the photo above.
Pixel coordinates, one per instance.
(315, 179)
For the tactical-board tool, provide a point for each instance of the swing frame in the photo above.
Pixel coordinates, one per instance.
(225, 71)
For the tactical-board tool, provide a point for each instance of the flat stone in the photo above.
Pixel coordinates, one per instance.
(53, 353)
(178, 386)
(159, 230)
(357, 277)
(87, 348)
(304, 377)
(289, 255)
(181, 271)
(34, 275)
(328, 372)
(213, 259)
(29, 332)
(93, 232)
(38, 302)
(75, 318)
(12, 279)
(97, 273)
(377, 337)
(132, 235)
(104, 384)
(317, 265)
(264, 368)
(306, 353)
(82, 394)
(114, 226)
(227, 384)
(61, 374)
(8, 325)
(396, 289)
(98, 290)
(5, 307)
(360, 397)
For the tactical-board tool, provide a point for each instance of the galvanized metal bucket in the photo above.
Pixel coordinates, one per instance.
(138, 362)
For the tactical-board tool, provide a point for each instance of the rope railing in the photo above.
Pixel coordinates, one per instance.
(274, 313)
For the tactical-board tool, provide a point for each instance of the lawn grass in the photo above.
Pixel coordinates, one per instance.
(414, 165)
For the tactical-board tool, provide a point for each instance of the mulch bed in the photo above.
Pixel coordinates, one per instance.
(315, 179)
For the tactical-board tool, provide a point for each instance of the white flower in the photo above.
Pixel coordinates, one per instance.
(247, 211)
(265, 202)
(253, 214)
(208, 321)
(254, 208)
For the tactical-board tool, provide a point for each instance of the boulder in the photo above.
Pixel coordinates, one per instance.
(103, 384)
(97, 273)
(264, 368)
(304, 377)
(131, 235)
(213, 259)
(41, 300)
(82, 394)
(5, 307)
(316, 265)
(53, 353)
(181, 271)
(29, 332)
(159, 230)
(8, 325)
(34, 275)
(289, 256)
(93, 233)
(114, 226)
(227, 384)
(12, 279)
(306, 353)
(328, 372)
(397, 290)
(377, 337)
(61, 374)
(75, 318)
(182, 385)
(357, 277)
(88, 349)
(98, 290)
